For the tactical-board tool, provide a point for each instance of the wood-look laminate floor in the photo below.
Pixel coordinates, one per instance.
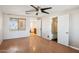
(34, 44)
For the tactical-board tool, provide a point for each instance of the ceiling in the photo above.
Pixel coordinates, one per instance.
(20, 9)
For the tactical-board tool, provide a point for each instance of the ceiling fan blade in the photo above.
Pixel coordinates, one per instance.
(46, 8)
(44, 12)
(30, 11)
(27, 13)
(34, 7)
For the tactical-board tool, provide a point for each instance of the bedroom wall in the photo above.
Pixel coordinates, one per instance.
(46, 27)
(1, 26)
(74, 28)
(14, 34)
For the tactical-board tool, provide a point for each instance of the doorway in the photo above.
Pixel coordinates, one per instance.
(54, 28)
(35, 27)
(60, 29)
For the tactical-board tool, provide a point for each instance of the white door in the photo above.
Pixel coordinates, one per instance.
(63, 29)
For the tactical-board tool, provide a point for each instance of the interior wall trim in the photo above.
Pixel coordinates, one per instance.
(74, 47)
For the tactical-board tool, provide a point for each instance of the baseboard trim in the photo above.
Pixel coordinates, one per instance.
(74, 47)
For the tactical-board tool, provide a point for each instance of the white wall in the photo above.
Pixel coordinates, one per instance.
(74, 29)
(14, 34)
(46, 27)
(1, 25)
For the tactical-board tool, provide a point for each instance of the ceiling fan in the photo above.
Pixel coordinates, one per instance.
(38, 9)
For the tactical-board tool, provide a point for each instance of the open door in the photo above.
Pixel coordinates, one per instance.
(63, 29)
